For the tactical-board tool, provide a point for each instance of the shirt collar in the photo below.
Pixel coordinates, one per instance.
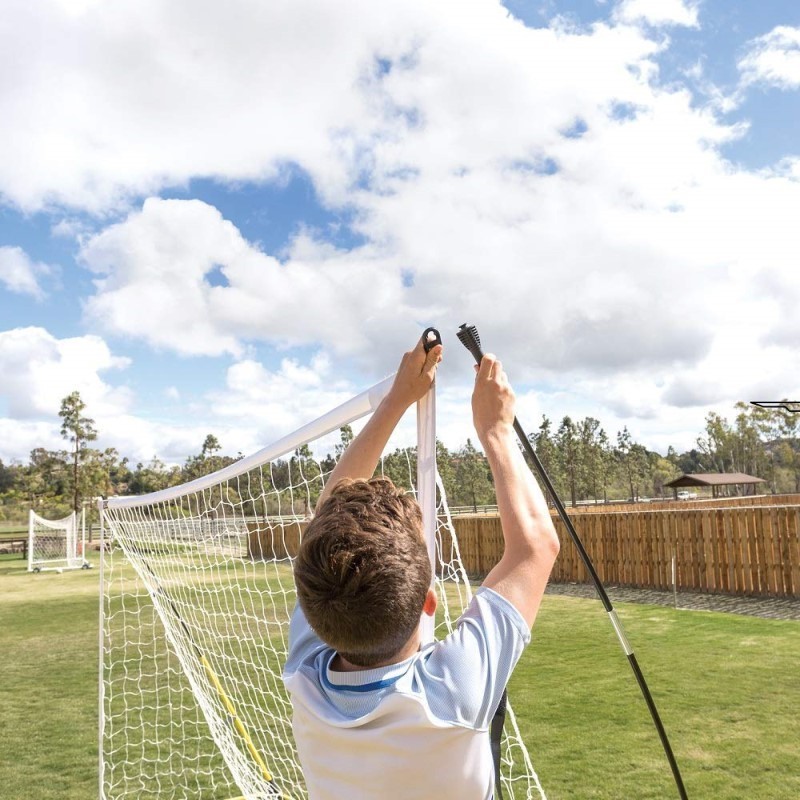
(365, 680)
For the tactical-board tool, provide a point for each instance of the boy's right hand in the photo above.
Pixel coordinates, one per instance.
(493, 400)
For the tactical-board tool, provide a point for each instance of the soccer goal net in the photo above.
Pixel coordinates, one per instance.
(55, 544)
(197, 593)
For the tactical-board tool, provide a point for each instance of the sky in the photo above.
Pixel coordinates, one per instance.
(230, 217)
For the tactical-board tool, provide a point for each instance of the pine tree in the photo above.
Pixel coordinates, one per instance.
(79, 430)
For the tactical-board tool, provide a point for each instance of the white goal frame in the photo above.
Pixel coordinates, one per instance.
(115, 510)
(53, 544)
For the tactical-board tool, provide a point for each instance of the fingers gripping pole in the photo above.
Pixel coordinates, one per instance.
(468, 336)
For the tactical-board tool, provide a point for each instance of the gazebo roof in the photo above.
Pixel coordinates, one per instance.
(713, 479)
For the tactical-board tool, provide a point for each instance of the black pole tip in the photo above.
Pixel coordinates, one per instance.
(468, 336)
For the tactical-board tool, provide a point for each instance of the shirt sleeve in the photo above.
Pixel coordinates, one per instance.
(467, 671)
(303, 642)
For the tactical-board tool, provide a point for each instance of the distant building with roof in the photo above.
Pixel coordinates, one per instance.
(717, 481)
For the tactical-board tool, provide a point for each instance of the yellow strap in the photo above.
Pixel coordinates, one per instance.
(237, 723)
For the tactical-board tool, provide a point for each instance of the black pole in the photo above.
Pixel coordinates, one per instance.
(468, 336)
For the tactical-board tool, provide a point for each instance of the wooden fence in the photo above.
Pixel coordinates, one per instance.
(735, 549)
(702, 502)
(749, 550)
(274, 540)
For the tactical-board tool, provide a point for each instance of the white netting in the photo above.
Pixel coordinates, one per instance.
(197, 596)
(53, 544)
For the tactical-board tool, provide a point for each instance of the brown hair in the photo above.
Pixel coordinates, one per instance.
(362, 572)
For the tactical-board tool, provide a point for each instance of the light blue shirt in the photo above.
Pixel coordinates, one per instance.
(412, 730)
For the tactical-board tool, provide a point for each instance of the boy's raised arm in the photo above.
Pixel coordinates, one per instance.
(412, 381)
(531, 543)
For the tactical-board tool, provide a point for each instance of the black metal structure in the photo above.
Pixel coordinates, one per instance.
(468, 336)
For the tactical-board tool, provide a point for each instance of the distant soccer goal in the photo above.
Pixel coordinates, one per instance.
(197, 592)
(56, 544)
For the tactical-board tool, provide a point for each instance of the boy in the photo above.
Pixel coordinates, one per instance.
(375, 716)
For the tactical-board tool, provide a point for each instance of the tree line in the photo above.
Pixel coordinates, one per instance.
(584, 463)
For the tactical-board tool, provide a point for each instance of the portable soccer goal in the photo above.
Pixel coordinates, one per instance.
(197, 592)
(56, 544)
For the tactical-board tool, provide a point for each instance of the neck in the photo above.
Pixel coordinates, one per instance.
(341, 664)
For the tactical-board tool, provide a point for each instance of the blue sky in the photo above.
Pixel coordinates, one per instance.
(227, 219)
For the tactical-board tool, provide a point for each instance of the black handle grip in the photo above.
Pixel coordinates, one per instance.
(468, 336)
(429, 344)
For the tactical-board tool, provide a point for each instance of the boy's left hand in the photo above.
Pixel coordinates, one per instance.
(415, 374)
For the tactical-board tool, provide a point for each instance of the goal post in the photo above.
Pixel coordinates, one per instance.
(55, 544)
(196, 595)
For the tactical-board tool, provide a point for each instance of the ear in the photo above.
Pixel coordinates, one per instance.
(429, 606)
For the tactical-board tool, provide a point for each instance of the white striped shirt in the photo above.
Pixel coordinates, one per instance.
(412, 730)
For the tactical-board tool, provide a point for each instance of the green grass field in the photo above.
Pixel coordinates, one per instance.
(727, 688)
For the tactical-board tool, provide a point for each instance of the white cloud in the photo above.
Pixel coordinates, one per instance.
(126, 97)
(21, 275)
(277, 402)
(637, 258)
(154, 285)
(77, 7)
(658, 12)
(773, 59)
(71, 228)
(547, 187)
(256, 407)
(171, 440)
(19, 437)
(39, 370)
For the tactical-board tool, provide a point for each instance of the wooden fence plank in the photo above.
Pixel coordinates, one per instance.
(793, 543)
(624, 529)
(684, 557)
(689, 524)
(761, 579)
(703, 536)
(659, 578)
(279, 541)
(740, 544)
(773, 551)
(785, 555)
(728, 528)
(722, 544)
(745, 526)
(673, 544)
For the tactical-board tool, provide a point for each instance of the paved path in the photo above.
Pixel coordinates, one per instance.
(772, 608)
